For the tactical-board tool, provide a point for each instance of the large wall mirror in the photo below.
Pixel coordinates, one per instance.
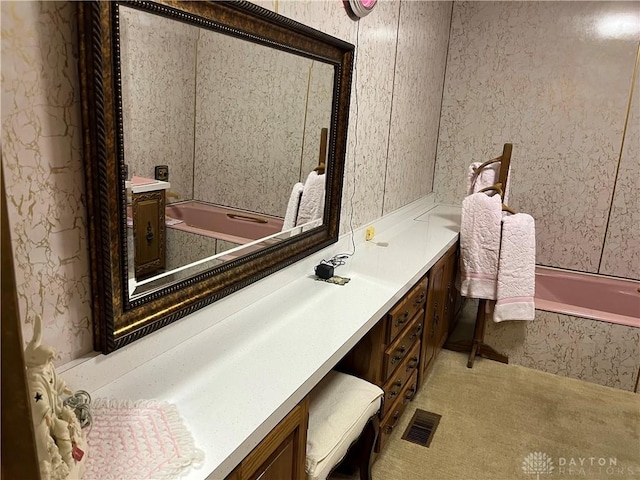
(204, 121)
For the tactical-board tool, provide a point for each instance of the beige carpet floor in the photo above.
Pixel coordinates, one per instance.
(495, 416)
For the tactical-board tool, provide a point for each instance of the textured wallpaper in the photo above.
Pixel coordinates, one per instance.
(371, 96)
(158, 96)
(550, 78)
(250, 120)
(589, 350)
(42, 142)
(317, 115)
(621, 255)
(417, 96)
(42, 161)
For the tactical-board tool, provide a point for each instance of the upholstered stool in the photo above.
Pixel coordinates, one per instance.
(342, 412)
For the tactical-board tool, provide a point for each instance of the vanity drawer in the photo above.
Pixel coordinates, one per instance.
(400, 377)
(398, 350)
(404, 311)
(392, 417)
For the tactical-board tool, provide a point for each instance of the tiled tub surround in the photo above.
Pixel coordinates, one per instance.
(42, 142)
(604, 348)
(554, 79)
(237, 367)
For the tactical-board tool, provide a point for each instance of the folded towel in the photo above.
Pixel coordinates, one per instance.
(480, 245)
(312, 200)
(488, 176)
(516, 269)
(292, 207)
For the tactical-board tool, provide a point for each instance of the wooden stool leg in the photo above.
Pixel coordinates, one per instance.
(367, 442)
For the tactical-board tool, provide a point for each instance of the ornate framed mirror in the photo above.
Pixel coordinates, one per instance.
(202, 122)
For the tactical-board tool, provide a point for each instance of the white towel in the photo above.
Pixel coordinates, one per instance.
(291, 214)
(312, 201)
(516, 269)
(488, 176)
(480, 245)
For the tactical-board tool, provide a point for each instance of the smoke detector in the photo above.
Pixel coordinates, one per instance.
(361, 8)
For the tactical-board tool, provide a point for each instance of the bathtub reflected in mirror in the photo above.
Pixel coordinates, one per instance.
(139, 288)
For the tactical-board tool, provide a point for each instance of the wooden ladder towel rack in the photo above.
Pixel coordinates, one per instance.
(477, 346)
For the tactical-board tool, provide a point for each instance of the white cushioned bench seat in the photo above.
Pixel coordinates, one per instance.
(339, 409)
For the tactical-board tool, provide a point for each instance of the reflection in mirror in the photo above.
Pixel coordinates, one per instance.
(176, 124)
(237, 124)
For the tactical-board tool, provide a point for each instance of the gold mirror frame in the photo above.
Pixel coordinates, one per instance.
(119, 320)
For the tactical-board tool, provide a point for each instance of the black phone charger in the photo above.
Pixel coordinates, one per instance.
(324, 271)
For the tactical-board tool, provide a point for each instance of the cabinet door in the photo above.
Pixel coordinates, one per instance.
(148, 232)
(433, 316)
(450, 293)
(281, 455)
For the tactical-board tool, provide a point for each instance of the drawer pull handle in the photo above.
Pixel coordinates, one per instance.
(398, 356)
(410, 394)
(389, 428)
(413, 364)
(402, 320)
(149, 233)
(392, 394)
(419, 300)
(416, 333)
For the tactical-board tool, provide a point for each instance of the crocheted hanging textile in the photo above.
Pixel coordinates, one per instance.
(138, 440)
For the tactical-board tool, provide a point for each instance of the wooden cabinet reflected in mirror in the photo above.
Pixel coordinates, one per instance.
(231, 100)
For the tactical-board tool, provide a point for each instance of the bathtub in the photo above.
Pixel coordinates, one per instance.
(231, 225)
(590, 296)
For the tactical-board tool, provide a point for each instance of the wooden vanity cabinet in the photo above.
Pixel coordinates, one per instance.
(396, 354)
(399, 351)
(442, 299)
(389, 356)
(281, 455)
(149, 232)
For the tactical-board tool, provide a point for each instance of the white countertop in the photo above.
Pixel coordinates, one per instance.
(236, 368)
(148, 185)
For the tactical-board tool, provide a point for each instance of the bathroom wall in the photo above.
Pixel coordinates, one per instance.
(553, 78)
(214, 139)
(42, 139)
(590, 350)
(42, 161)
(621, 253)
(250, 119)
(157, 96)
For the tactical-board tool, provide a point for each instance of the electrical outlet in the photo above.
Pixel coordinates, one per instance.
(369, 233)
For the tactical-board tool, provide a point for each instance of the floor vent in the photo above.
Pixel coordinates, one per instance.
(422, 427)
